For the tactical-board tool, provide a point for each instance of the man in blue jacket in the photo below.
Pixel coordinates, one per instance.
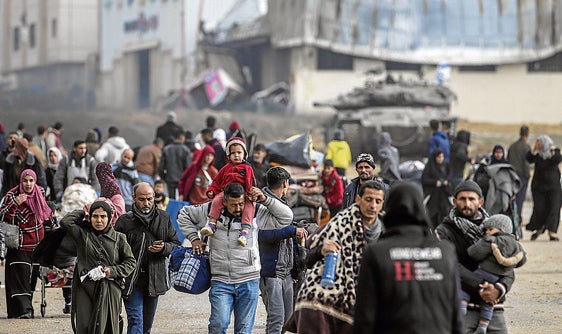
(439, 140)
(276, 255)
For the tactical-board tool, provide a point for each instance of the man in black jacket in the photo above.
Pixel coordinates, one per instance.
(462, 227)
(408, 274)
(152, 237)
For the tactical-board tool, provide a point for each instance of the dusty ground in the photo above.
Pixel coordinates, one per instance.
(534, 304)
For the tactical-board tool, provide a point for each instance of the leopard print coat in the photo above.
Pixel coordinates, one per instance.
(346, 228)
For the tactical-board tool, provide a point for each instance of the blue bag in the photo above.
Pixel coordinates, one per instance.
(189, 273)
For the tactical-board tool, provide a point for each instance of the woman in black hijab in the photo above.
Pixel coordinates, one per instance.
(408, 274)
(436, 187)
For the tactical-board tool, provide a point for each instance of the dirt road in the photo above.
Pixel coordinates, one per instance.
(534, 305)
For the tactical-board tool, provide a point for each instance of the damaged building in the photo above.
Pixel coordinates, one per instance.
(502, 57)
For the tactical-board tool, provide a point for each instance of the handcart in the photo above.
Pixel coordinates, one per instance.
(53, 277)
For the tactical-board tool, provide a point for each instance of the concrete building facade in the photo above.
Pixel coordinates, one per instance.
(48, 52)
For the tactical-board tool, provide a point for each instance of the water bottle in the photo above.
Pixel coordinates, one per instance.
(329, 274)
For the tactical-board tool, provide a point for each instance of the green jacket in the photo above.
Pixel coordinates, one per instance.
(97, 304)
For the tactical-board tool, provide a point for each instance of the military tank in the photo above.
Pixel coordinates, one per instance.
(400, 107)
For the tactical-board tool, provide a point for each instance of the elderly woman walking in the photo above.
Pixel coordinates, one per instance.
(26, 207)
(545, 188)
(104, 260)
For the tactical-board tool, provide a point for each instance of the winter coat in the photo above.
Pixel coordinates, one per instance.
(440, 140)
(449, 230)
(148, 159)
(276, 244)
(241, 173)
(175, 159)
(195, 180)
(339, 152)
(438, 204)
(97, 304)
(498, 254)
(390, 301)
(167, 131)
(516, 156)
(390, 159)
(502, 186)
(111, 150)
(547, 173)
(126, 178)
(333, 188)
(140, 236)
(459, 154)
(31, 230)
(68, 169)
(230, 262)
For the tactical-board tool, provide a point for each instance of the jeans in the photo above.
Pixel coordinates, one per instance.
(241, 298)
(140, 309)
(277, 296)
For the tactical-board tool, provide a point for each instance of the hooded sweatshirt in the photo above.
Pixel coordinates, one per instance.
(111, 150)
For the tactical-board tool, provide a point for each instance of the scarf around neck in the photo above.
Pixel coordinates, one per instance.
(469, 229)
(146, 218)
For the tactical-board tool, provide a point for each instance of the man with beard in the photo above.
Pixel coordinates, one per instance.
(152, 237)
(235, 269)
(78, 164)
(365, 167)
(462, 227)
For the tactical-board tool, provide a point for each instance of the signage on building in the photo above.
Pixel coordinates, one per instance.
(141, 24)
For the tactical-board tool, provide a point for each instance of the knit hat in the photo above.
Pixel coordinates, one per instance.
(468, 185)
(234, 126)
(171, 116)
(365, 157)
(338, 134)
(108, 183)
(237, 141)
(499, 221)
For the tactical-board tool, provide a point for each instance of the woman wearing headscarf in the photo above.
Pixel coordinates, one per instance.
(545, 188)
(104, 260)
(408, 281)
(54, 156)
(110, 190)
(25, 206)
(197, 177)
(18, 160)
(435, 183)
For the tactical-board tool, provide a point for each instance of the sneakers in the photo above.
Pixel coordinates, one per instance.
(67, 308)
(209, 229)
(242, 238)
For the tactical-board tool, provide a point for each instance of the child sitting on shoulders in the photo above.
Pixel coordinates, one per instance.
(239, 171)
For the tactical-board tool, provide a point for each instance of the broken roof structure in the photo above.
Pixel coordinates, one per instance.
(412, 31)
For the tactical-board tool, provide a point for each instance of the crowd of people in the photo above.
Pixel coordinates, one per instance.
(388, 233)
